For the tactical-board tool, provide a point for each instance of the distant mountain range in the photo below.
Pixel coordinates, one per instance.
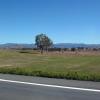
(57, 45)
(75, 45)
(16, 45)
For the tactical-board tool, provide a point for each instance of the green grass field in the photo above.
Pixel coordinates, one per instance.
(68, 66)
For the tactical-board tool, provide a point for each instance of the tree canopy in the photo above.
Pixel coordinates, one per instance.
(42, 42)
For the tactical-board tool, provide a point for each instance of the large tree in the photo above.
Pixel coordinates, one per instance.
(43, 42)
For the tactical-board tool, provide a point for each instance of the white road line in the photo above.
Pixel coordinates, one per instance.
(47, 85)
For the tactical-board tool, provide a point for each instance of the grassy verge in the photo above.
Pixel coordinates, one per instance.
(73, 75)
(76, 67)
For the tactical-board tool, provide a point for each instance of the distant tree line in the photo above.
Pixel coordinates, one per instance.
(65, 49)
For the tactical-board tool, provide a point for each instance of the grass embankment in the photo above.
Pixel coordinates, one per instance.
(68, 66)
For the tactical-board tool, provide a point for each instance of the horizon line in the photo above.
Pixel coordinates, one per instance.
(53, 43)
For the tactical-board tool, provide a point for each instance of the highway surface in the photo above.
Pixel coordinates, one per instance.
(15, 87)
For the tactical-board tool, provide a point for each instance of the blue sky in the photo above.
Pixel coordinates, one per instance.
(64, 21)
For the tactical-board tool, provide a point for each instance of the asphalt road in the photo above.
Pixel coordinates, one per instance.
(20, 91)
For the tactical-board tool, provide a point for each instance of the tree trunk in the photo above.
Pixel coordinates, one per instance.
(41, 50)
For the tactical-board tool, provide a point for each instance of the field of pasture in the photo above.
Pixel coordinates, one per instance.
(67, 65)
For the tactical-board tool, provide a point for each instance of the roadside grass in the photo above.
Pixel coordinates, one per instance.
(76, 67)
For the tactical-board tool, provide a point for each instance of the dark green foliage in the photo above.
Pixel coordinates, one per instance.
(43, 42)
